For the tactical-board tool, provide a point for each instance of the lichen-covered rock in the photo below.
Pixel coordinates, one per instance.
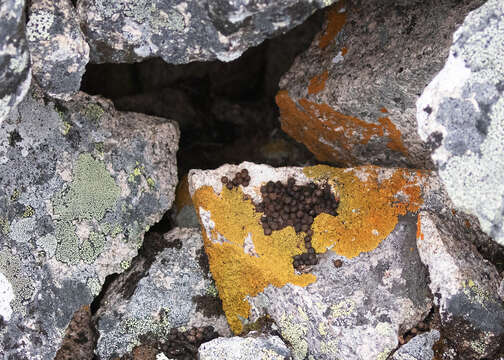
(15, 73)
(461, 113)
(185, 31)
(58, 51)
(350, 98)
(354, 310)
(175, 292)
(252, 347)
(465, 288)
(184, 212)
(418, 348)
(80, 183)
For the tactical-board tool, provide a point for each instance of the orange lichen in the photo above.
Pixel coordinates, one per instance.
(329, 134)
(344, 51)
(384, 110)
(371, 200)
(335, 22)
(369, 209)
(239, 274)
(317, 83)
(419, 233)
(182, 195)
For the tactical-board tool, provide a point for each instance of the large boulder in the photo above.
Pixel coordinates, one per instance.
(58, 51)
(147, 303)
(350, 98)
(363, 282)
(15, 73)
(80, 183)
(182, 32)
(461, 113)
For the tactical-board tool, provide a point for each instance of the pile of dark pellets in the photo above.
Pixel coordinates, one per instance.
(297, 206)
(241, 178)
(181, 345)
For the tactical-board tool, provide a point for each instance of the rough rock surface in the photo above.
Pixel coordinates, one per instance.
(58, 51)
(176, 292)
(184, 31)
(350, 98)
(80, 337)
(79, 185)
(465, 288)
(418, 348)
(353, 311)
(252, 347)
(15, 73)
(461, 113)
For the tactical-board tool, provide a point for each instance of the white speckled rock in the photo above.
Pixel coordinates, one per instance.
(58, 51)
(464, 286)
(185, 31)
(461, 113)
(252, 347)
(80, 182)
(172, 294)
(15, 73)
(418, 348)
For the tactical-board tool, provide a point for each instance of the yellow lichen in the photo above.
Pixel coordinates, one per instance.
(368, 210)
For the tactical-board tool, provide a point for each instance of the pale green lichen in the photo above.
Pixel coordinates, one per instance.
(294, 332)
(22, 229)
(322, 328)
(29, 212)
(343, 308)
(475, 293)
(67, 250)
(151, 183)
(105, 228)
(92, 248)
(12, 268)
(329, 348)
(15, 195)
(384, 354)
(116, 230)
(4, 226)
(38, 28)
(93, 112)
(139, 326)
(48, 243)
(137, 171)
(212, 290)
(94, 286)
(125, 264)
(66, 128)
(91, 193)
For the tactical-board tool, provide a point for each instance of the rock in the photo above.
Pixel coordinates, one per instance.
(185, 214)
(80, 183)
(461, 113)
(418, 348)
(350, 98)
(15, 73)
(175, 292)
(367, 290)
(131, 31)
(252, 347)
(465, 288)
(58, 51)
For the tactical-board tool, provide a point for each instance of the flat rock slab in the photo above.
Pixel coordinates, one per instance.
(58, 51)
(418, 348)
(252, 347)
(176, 292)
(462, 113)
(15, 73)
(80, 184)
(369, 286)
(185, 31)
(350, 98)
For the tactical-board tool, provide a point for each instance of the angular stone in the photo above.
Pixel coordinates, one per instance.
(418, 348)
(465, 288)
(356, 310)
(461, 113)
(80, 183)
(15, 73)
(175, 292)
(58, 51)
(132, 30)
(350, 98)
(252, 347)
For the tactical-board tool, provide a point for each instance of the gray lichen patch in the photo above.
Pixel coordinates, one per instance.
(92, 192)
(11, 267)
